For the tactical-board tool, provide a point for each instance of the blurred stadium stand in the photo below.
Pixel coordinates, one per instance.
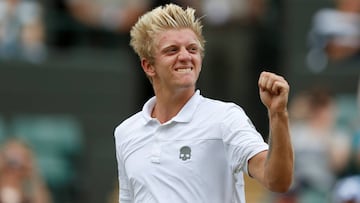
(341, 77)
(94, 77)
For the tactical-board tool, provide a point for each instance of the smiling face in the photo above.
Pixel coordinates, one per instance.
(177, 61)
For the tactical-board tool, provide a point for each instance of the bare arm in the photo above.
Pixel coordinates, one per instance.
(274, 168)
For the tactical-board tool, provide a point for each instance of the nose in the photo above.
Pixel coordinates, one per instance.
(184, 54)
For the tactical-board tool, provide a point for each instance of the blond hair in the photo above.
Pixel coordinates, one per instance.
(170, 16)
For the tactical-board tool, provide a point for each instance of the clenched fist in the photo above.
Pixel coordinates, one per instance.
(274, 92)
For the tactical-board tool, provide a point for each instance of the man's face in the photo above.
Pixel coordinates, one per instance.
(178, 59)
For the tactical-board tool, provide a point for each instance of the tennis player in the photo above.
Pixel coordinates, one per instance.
(186, 148)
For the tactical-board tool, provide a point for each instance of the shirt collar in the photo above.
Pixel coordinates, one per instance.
(185, 114)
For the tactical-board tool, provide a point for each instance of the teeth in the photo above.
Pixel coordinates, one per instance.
(183, 70)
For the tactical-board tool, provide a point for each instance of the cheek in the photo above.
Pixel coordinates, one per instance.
(199, 63)
(200, 67)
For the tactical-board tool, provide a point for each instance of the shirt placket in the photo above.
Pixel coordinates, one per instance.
(158, 144)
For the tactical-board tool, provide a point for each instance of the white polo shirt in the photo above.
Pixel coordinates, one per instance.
(197, 156)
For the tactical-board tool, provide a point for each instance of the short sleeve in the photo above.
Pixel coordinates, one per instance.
(241, 139)
(125, 191)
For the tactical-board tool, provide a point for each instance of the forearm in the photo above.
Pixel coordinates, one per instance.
(280, 160)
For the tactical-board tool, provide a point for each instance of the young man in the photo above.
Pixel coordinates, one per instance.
(183, 147)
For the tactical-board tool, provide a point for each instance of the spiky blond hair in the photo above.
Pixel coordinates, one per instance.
(170, 16)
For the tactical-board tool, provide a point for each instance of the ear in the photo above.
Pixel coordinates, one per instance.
(147, 67)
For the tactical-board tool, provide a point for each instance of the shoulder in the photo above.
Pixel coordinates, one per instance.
(220, 107)
(220, 112)
(129, 124)
(217, 104)
(229, 115)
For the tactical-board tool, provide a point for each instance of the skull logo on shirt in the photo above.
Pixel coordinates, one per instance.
(185, 153)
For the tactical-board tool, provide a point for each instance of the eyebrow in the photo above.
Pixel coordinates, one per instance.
(174, 45)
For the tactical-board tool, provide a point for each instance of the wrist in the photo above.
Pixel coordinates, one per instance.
(278, 113)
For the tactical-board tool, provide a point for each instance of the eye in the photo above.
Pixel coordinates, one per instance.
(193, 49)
(171, 50)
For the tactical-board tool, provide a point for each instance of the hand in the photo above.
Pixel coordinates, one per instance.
(274, 92)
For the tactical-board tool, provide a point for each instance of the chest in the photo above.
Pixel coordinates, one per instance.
(165, 152)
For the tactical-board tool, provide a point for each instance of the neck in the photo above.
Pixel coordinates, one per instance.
(168, 104)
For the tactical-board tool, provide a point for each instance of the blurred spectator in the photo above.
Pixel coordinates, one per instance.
(356, 151)
(20, 181)
(322, 150)
(347, 190)
(57, 142)
(21, 30)
(241, 42)
(98, 23)
(335, 34)
(115, 15)
(227, 61)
